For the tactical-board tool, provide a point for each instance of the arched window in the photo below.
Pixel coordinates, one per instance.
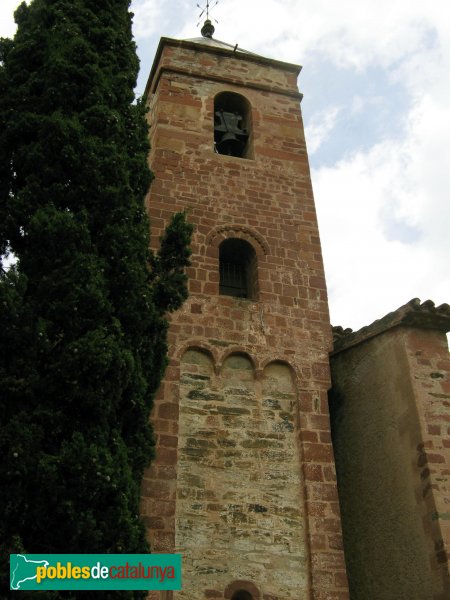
(238, 269)
(232, 125)
(242, 595)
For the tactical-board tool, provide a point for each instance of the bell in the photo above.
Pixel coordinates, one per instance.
(229, 136)
(230, 145)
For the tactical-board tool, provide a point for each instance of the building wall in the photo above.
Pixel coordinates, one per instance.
(283, 538)
(240, 509)
(429, 364)
(390, 418)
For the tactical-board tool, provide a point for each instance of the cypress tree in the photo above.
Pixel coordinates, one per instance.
(82, 314)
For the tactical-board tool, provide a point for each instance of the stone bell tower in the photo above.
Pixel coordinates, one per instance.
(243, 484)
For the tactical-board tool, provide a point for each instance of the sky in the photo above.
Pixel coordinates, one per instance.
(376, 108)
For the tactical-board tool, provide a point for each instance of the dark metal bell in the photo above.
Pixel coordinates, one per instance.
(229, 144)
(229, 136)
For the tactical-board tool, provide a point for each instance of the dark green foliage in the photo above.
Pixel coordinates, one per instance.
(82, 327)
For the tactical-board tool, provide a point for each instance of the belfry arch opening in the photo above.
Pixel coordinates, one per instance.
(237, 269)
(232, 125)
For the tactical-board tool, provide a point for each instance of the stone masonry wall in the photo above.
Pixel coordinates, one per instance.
(429, 364)
(235, 426)
(268, 202)
(390, 409)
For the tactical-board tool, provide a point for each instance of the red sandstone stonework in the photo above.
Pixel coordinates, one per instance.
(244, 482)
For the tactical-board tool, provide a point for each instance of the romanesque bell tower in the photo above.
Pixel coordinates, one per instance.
(243, 485)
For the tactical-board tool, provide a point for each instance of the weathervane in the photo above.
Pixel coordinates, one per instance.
(208, 28)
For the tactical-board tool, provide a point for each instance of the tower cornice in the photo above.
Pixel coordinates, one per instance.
(216, 47)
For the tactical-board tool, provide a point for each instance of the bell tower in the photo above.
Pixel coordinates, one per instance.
(243, 484)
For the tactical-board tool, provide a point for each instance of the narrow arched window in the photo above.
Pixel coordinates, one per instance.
(242, 595)
(232, 125)
(238, 269)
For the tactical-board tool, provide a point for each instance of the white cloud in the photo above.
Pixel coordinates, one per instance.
(7, 25)
(368, 274)
(148, 17)
(320, 127)
(349, 32)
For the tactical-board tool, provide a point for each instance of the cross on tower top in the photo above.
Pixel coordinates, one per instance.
(208, 28)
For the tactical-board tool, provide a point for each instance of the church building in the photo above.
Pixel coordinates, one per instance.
(244, 481)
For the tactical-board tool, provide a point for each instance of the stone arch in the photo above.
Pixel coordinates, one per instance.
(196, 367)
(237, 352)
(219, 234)
(233, 125)
(225, 233)
(280, 361)
(199, 346)
(242, 590)
(238, 378)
